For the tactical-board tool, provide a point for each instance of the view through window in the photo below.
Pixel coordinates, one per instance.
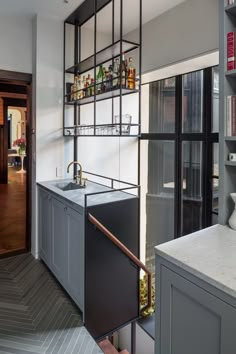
(179, 157)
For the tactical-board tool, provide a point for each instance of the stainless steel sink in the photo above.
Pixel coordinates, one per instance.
(68, 186)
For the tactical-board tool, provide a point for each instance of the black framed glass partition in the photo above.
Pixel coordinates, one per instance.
(179, 157)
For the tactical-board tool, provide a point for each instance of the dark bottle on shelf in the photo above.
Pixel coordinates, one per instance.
(131, 74)
(84, 86)
(92, 90)
(88, 83)
(99, 80)
(110, 77)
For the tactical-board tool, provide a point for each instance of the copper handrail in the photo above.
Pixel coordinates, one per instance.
(129, 254)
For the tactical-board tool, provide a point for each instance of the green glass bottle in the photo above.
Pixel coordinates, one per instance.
(99, 80)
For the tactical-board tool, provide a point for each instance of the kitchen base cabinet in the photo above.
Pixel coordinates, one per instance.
(44, 221)
(61, 243)
(75, 255)
(59, 239)
(191, 319)
(101, 279)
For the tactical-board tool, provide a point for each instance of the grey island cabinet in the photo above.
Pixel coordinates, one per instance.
(196, 293)
(89, 266)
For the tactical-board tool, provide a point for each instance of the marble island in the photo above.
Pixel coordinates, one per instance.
(209, 254)
(196, 293)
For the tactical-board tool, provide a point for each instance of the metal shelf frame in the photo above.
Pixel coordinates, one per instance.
(87, 10)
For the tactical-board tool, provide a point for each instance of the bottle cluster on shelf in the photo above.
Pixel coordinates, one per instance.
(108, 78)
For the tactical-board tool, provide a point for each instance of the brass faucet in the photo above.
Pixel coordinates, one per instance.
(78, 178)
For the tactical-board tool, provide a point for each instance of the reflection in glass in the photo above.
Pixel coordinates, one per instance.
(162, 106)
(192, 187)
(192, 115)
(158, 188)
(215, 100)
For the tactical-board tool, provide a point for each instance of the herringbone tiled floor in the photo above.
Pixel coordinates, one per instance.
(36, 316)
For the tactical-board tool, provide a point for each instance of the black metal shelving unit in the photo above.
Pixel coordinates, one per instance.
(88, 10)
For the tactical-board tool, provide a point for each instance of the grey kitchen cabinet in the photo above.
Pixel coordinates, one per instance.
(61, 243)
(75, 255)
(191, 319)
(45, 246)
(85, 262)
(58, 262)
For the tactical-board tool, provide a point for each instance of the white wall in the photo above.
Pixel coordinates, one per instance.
(188, 30)
(49, 98)
(16, 43)
(47, 104)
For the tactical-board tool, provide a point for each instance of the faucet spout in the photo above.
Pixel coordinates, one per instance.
(78, 178)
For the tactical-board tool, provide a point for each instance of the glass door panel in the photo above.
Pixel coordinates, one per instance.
(191, 186)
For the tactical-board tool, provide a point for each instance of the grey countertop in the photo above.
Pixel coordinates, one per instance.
(209, 254)
(77, 197)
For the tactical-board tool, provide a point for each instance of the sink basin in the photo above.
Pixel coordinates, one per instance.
(68, 186)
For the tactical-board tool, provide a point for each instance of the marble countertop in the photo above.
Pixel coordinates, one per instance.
(209, 254)
(77, 196)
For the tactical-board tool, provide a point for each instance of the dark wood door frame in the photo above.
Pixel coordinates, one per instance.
(16, 78)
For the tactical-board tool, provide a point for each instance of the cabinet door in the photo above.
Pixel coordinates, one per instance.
(75, 256)
(192, 320)
(44, 222)
(58, 264)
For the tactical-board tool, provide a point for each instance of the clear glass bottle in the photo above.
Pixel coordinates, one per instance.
(123, 71)
(116, 74)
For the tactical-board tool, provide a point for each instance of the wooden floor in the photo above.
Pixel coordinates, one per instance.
(13, 212)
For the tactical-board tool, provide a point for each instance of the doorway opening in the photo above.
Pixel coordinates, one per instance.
(15, 164)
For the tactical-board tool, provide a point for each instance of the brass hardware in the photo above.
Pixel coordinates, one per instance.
(79, 177)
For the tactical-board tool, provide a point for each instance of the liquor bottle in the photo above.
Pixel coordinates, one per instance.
(78, 88)
(99, 80)
(116, 74)
(123, 71)
(75, 87)
(84, 86)
(88, 83)
(72, 92)
(131, 70)
(110, 77)
(92, 87)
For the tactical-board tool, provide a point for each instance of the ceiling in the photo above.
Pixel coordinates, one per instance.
(61, 10)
